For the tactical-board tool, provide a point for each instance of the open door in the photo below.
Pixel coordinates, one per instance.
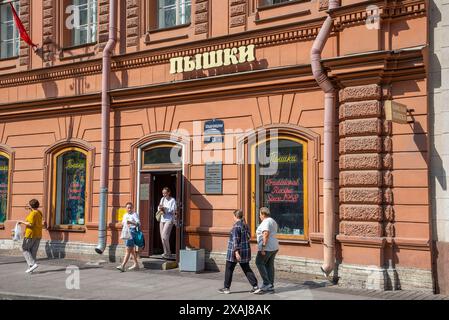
(146, 212)
(180, 214)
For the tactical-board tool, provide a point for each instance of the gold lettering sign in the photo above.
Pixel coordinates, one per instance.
(72, 165)
(395, 112)
(276, 158)
(213, 59)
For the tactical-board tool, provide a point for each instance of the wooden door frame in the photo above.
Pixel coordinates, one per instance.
(180, 193)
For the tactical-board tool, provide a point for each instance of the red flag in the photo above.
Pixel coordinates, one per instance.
(23, 33)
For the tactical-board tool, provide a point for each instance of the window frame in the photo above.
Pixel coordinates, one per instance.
(16, 35)
(253, 186)
(179, 8)
(54, 191)
(91, 26)
(66, 35)
(8, 191)
(161, 166)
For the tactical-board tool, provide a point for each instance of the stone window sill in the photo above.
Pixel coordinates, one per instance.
(288, 241)
(68, 228)
(283, 4)
(77, 52)
(180, 26)
(283, 17)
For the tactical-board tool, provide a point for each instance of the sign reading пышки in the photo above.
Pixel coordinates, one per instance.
(213, 59)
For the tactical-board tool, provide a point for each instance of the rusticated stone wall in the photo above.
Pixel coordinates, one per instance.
(49, 14)
(103, 23)
(238, 13)
(132, 22)
(201, 16)
(24, 13)
(365, 164)
(323, 5)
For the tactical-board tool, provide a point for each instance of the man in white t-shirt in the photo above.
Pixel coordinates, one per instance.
(268, 247)
(168, 205)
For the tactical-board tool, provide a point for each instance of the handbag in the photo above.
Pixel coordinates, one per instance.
(159, 214)
(18, 235)
(126, 233)
(138, 238)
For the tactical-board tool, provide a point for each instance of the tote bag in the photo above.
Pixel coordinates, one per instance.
(18, 233)
(126, 233)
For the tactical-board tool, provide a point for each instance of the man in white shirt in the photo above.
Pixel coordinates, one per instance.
(268, 247)
(168, 205)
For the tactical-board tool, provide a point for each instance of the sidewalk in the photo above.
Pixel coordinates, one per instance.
(102, 281)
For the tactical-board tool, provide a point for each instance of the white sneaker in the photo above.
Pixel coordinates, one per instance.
(32, 268)
(134, 267)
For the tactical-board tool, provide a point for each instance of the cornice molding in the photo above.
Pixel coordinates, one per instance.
(303, 31)
(381, 67)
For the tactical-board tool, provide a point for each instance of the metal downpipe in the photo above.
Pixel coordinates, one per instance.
(105, 121)
(329, 137)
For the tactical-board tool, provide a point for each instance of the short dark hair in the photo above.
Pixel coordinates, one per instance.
(238, 214)
(129, 203)
(34, 204)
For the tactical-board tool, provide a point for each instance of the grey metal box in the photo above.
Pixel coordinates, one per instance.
(192, 260)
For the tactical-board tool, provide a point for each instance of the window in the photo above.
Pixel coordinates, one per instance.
(85, 23)
(9, 35)
(162, 155)
(279, 182)
(70, 187)
(263, 3)
(174, 12)
(4, 185)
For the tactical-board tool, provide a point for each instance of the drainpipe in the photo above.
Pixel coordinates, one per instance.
(329, 125)
(105, 120)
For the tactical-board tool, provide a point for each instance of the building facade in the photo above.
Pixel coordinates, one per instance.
(439, 111)
(216, 100)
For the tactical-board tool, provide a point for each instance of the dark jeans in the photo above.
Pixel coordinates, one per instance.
(265, 264)
(230, 266)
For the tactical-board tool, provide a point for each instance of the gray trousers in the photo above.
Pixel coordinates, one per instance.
(30, 247)
(265, 264)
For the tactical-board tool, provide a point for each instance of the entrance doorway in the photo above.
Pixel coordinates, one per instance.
(151, 185)
(160, 181)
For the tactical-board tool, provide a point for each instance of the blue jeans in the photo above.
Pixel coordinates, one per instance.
(265, 265)
(130, 242)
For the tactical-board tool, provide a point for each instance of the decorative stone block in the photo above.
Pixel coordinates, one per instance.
(363, 109)
(360, 93)
(361, 178)
(361, 161)
(389, 213)
(360, 145)
(361, 195)
(361, 212)
(361, 229)
(361, 127)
